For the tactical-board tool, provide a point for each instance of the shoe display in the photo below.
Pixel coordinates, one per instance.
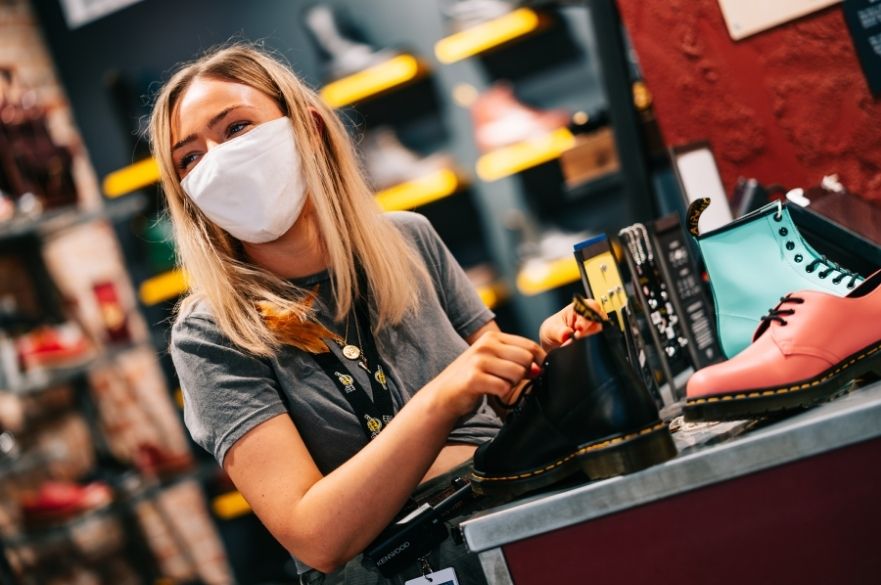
(58, 346)
(804, 351)
(57, 501)
(586, 411)
(464, 14)
(388, 162)
(755, 260)
(345, 56)
(500, 119)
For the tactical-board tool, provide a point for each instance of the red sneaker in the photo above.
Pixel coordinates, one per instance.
(57, 501)
(58, 346)
(500, 119)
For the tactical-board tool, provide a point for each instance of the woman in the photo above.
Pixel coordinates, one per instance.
(313, 318)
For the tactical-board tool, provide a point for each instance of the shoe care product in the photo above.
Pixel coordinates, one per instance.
(686, 290)
(660, 318)
(755, 260)
(805, 351)
(500, 119)
(602, 281)
(588, 410)
(344, 56)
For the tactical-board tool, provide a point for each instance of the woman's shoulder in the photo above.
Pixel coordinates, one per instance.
(414, 226)
(194, 318)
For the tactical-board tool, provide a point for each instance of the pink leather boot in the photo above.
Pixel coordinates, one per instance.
(803, 352)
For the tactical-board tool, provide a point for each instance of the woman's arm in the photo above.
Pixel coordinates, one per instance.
(327, 520)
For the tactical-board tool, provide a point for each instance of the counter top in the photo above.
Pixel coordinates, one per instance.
(853, 418)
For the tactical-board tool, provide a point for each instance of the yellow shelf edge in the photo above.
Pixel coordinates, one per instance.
(374, 80)
(536, 278)
(487, 35)
(421, 191)
(131, 178)
(163, 287)
(230, 505)
(518, 157)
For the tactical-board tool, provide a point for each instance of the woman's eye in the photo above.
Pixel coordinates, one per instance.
(235, 128)
(186, 160)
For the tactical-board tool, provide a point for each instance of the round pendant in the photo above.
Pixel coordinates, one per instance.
(352, 352)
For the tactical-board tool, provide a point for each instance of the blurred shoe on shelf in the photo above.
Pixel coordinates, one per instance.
(57, 501)
(500, 119)
(55, 346)
(7, 207)
(388, 162)
(464, 14)
(587, 410)
(344, 56)
(804, 351)
(155, 461)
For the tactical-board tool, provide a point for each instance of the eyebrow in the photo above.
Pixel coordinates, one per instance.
(211, 123)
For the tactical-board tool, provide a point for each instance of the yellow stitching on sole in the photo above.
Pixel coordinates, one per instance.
(583, 450)
(795, 388)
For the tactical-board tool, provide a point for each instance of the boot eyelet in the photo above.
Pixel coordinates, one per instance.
(778, 217)
(799, 258)
(809, 269)
(823, 274)
(783, 231)
(790, 245)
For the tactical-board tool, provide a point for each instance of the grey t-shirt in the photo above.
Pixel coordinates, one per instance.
(227, 391)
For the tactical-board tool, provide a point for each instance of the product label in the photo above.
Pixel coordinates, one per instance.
(863, 19)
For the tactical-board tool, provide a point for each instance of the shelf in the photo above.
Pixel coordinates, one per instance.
(53, 377)
(539, 276)
(62, 530)
(520, 156)
(375, 80)
(57, 220)
(492, 294)
(487, 35)
(432, 187)
(230, 505)
(595, 186)
(131, 178)
(163, 287)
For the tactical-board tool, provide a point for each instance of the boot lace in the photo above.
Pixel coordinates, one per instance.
(831, 267)
(777, 313)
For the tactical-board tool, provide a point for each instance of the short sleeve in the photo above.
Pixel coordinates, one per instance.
(226, 391)
(457, 294)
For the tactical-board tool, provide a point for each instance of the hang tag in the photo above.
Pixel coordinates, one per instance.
(443, 577)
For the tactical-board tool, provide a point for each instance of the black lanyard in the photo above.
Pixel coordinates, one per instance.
(374, 414)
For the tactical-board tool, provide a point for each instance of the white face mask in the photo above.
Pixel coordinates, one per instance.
(251, 185)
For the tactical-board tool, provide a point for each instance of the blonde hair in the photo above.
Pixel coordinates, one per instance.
(350, 222)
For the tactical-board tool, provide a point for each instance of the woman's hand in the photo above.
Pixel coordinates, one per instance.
(564, 326)
(494, 364)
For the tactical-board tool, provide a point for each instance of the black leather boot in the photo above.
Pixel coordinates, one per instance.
(586, 411)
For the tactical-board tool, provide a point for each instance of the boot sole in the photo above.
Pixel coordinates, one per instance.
(799, 395)
(618, 455)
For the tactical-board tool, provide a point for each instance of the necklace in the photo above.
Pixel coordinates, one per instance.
(349, 350)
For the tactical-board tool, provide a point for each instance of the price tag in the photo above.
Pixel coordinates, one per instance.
(443, 577)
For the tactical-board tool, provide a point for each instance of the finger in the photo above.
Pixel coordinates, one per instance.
(511, 372)
(515, 354)
(537, 352)
(557, 333)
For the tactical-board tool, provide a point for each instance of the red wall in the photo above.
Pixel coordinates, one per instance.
(785, 106)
